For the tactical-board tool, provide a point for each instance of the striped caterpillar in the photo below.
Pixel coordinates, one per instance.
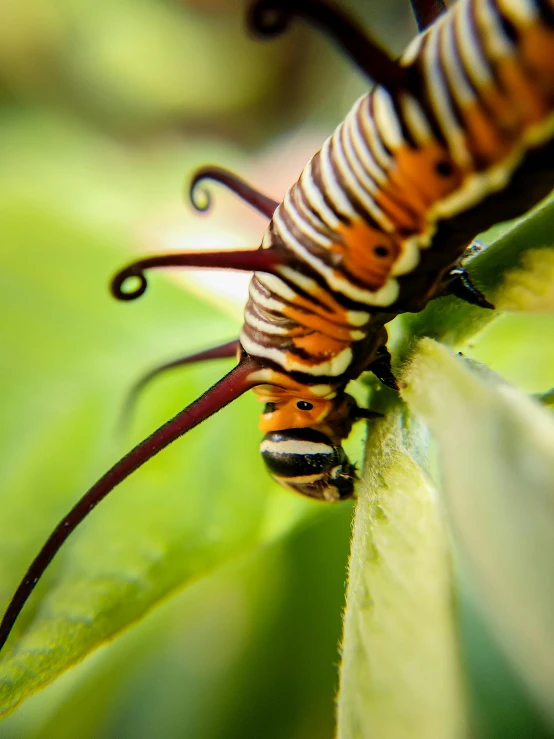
(455, 136)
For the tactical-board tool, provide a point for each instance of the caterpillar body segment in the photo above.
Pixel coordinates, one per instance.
(456, 135)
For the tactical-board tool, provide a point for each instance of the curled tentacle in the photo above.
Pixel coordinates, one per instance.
(262, 203)
(134, 271)
(269, 18)
(204, 205)
(247, 260)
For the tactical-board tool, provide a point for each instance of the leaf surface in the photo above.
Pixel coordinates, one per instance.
(496, 458)
(400, 674)
(69, 355)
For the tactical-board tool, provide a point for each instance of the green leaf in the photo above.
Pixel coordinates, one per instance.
(244, 640)
(69, 355)
(400, 671)
(398, 543)
(497, 462)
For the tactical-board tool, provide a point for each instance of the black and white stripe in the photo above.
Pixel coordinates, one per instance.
(308, 462)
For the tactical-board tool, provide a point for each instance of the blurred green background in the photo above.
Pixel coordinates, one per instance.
(107, 107)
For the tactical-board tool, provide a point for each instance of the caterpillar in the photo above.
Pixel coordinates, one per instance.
(453, 137)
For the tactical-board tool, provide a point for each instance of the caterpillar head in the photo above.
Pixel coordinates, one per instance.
(302, 445)
(308, 462)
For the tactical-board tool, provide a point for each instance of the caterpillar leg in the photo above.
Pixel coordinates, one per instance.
(426, 12)
(221, 351)
(381, 368)
(272, 17)
(460, 284)
(249, 260)
(262, 203)
(475, 248)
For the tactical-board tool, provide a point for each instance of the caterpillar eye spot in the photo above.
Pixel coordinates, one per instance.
(303, 405)
(381, 250)
(444, 169)
(269, 407)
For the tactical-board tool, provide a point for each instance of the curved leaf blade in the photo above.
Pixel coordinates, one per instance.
(497, 461)
(400, 672)
(71, 353)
